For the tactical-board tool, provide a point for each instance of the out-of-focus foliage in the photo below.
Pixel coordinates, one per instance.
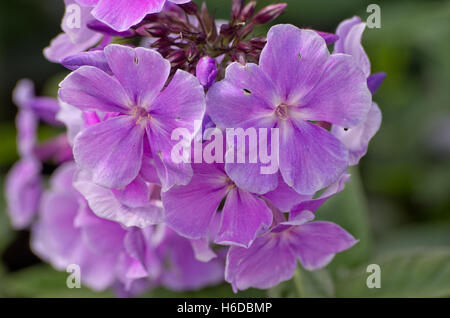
(397, 204)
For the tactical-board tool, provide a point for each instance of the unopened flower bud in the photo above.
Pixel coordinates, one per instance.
(190, 8)
(248, 11)
(240, 57)
(157, 30)
(328, 37)
(259, 42)
(269, 13)
(177, 58)
(206, 71)
(245, 46)
(236, 8)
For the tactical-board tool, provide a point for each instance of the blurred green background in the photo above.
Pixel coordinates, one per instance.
(398, 203)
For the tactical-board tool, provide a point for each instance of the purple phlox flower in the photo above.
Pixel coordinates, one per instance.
(146, 115)
(76, 36)
(23, 184)
(273, 256)
(23, 190)
(68, 233)
(121, 15)
(31, 109)
(357, 138)
(44, 108)
(191, 210)
(296, 84)
(206, 71)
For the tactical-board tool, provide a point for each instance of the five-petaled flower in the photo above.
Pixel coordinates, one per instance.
(142, 114)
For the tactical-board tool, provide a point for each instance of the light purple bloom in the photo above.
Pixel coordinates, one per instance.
(357, 139)
(63, 236)
(75, 38)
(44, 108)
(113, 149)
(23, 191)
(68, 232)
(206, 71)
(123, 14)
(273, 256)
(297, 82)
(191, 210)
(23, 185)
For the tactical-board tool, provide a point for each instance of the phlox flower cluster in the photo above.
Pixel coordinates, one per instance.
(133, 218)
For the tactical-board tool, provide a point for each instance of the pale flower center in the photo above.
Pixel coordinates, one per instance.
(282, 112)
(140, 114)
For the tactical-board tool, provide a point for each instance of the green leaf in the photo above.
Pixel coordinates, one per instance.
(43, 281)
(305, 284)
(316, 284)
(415, 236)
(413, 273)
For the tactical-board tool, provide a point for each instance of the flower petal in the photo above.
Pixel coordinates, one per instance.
(134, 195)
(23, 192)
(189, 210)
(311, 158)
(185, 272)
(78, 33)
(350, 43)
(265, 264)
(202, 250)
(248, 175)
(284, 197)
(316, 243)
(343, 30)
(62, 46)
(123, 14)
(243, 217)
(341, 96)
(92, 58)
(294, 59)
(180, 105)
(313, 204)
(104, 204)
(112, 150)
(375, 80)
(357, 139)
(246, 98)
(142, 72)
(91, 89)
